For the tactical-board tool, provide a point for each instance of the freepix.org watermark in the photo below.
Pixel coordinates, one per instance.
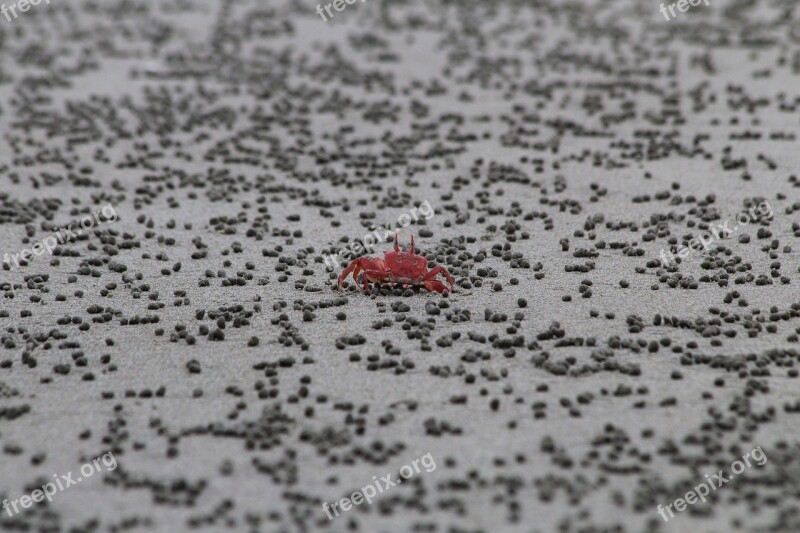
(62, 482)
(682, 5)
(702, 490)
(338, 5)
(379, 486)
(61, 236)
(718, 231)
(22, 5)
(367, 243)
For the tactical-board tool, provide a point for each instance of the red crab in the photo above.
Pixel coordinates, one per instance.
(406, 268)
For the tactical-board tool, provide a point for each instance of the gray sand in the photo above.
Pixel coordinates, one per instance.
(578, 135)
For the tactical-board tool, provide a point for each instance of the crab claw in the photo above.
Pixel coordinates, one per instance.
(436, 285)
(439, 269)
(353, 265)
